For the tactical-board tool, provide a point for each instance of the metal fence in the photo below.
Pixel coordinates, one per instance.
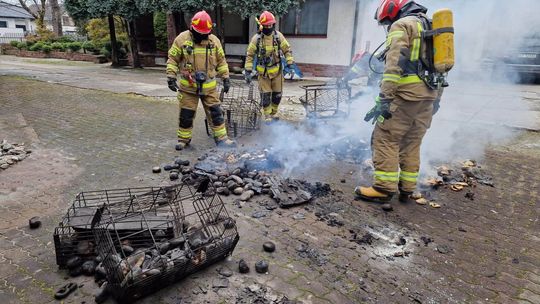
(8, 37)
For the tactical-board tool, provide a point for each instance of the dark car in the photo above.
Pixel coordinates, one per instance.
(521, 63)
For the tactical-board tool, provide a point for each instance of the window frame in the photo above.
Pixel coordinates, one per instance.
(4, 22)
(297, 25)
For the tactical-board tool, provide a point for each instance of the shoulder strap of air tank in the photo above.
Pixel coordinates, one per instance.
(278, 42)
(258, 43)
(425, 62)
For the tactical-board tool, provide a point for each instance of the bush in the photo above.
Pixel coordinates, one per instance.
(74, 46)
(22, 45)
(89, 46)
(105, 52)
(65, 39)
(29, 43)
(46, 48)
(122, 52)
(38, 46)
(14, 43)
(58, 46)
(160, 31)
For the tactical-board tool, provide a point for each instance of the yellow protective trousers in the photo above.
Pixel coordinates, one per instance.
(188, 108)
(271, 91)
(395, 144)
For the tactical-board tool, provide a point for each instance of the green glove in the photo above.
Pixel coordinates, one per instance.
(379, 112)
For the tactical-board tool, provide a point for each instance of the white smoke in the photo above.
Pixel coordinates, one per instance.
(473, 108)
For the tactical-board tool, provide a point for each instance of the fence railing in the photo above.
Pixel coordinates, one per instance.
(8, 37)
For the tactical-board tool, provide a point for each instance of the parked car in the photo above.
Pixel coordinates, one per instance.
(521, 63)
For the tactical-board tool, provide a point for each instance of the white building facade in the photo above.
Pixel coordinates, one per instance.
(321, 32)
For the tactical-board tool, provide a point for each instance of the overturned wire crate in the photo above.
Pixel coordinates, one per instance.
(147, 243)
(73, 236)
(241, 109)
(326, 100)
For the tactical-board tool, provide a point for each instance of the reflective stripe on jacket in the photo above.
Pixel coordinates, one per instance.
(267, 51)
(186, 58)
(405, 49)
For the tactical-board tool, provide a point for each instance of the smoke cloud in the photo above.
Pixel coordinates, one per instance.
(474, 110)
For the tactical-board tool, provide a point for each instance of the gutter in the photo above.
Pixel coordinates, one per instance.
(355, 29)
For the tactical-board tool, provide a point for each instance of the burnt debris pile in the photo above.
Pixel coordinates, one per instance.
(247, 175)
(459, 176)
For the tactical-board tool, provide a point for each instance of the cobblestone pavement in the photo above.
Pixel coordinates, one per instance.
(485, 250)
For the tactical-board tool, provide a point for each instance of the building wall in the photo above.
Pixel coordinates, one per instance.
(314, 54)
(335, 49)
(11, 22)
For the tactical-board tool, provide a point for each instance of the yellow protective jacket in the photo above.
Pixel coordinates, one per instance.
(405, 50)
(268, 49)
(187, 57)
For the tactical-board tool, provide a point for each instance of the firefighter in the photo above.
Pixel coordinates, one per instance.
(361, 67)
(196, 57)
(267, 48)
(404, 107)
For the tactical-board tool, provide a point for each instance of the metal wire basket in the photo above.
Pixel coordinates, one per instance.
(171, 232)
(73, 236)
(326, 100)
(241, 107)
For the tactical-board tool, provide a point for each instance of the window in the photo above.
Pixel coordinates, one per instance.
(309, 19)
(3, 23)
(236, 29)
(23, 27)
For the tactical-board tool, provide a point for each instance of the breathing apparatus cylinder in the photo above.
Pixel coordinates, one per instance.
(443, 41)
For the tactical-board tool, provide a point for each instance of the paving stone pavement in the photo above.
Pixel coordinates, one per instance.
(89, 140)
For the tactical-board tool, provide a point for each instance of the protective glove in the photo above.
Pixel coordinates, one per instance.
(247, 76)
(436, 106)
(226, 85)
(172, 84)
(380, 111)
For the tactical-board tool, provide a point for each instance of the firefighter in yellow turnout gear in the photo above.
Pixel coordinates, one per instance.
(195, 59)
(267, 48)
(404, 107)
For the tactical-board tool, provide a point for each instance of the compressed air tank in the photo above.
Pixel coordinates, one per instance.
(443, 42)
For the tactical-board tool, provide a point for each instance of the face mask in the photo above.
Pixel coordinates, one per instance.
(268, 31)
(198, 37)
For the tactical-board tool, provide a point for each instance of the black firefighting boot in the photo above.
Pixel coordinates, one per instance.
(371, 194)
(405, 197)
(181, 145)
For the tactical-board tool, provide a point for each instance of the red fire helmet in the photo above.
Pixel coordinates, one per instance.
(201, 22)
(389, 9)
(267, 18)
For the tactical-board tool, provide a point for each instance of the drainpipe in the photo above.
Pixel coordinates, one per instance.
(355, 28)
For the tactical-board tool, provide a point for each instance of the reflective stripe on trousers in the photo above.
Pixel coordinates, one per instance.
(408, 176)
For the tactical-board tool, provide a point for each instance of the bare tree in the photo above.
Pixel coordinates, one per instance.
(38, 13)
(56, 15)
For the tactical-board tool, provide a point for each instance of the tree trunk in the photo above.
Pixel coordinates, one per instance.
(175, 25)
(136, 60)
(171, 28)
(220, 19)
(181, 21)
(114, 46)
(56, 17)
